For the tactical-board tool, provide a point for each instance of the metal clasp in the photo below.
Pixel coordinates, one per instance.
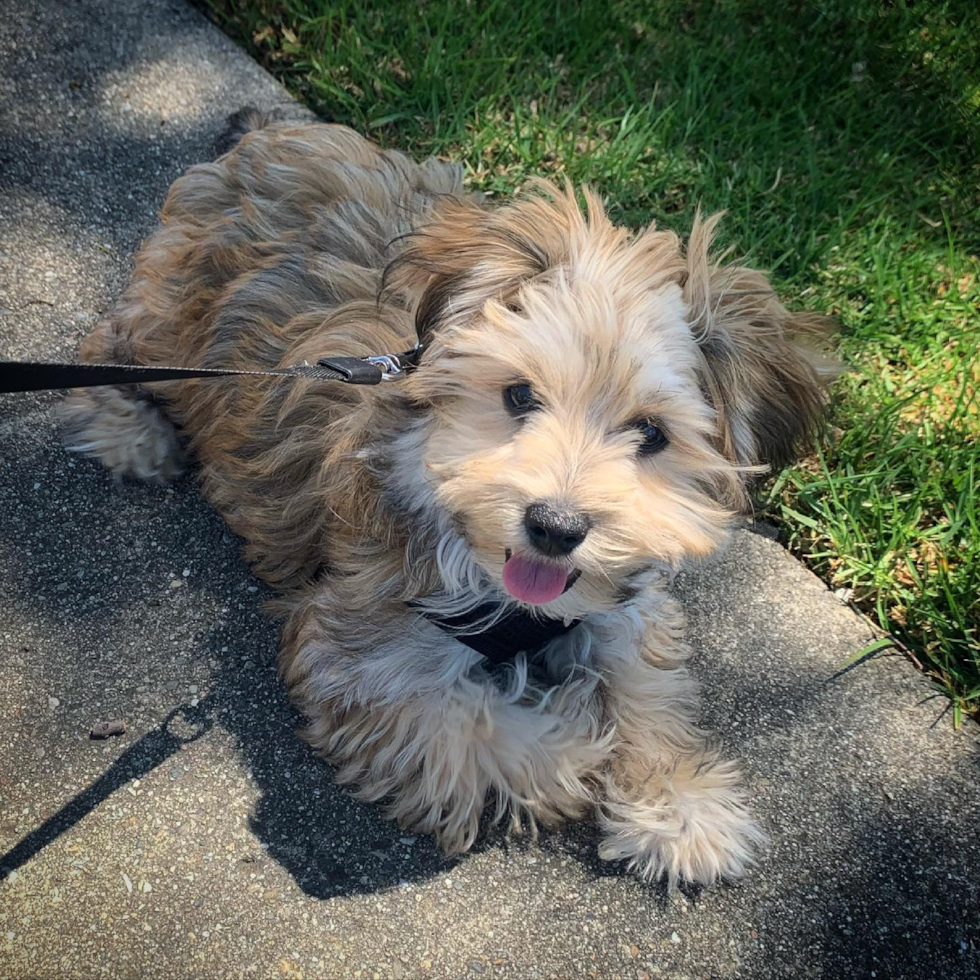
(390, 365)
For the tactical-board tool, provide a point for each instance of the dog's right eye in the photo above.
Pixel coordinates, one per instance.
(519, 399)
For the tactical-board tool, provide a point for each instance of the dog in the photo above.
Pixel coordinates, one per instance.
(589, 410)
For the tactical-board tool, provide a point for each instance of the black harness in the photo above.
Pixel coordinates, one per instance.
(515, 632)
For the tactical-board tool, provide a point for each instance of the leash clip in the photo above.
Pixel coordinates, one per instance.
(370, 370)
(391, 366)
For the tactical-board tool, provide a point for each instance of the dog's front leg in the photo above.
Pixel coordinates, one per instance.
(674, 807)
(412, 722)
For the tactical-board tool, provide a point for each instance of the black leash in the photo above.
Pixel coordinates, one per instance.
(39, 376)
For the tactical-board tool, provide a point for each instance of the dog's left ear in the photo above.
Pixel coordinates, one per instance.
(467, 253)
(436, 260)
(763, 370)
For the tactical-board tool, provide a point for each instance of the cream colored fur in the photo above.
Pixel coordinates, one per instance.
(364, 506)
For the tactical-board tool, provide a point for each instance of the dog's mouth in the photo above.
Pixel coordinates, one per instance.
(536, 582)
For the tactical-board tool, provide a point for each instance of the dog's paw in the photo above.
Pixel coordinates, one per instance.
(128, 434)
(695, 829)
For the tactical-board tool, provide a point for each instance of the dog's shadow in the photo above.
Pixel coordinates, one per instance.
(329, 842)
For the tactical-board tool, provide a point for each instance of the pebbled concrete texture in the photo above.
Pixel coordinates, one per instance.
(207, 841)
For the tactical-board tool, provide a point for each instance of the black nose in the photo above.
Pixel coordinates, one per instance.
(555, 532)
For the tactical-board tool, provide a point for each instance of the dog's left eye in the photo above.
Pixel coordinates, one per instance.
(653, 439)
(519, 399)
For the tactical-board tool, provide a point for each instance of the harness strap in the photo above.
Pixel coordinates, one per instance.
(516, 632)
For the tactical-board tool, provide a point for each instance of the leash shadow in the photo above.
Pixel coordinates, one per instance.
(135, 762)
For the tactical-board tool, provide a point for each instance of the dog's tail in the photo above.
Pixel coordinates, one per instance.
(250, 118)
(245, 120)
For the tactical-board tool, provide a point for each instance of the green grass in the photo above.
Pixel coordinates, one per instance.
(843, 139)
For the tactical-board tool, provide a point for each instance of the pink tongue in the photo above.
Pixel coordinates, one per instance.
(533, 581)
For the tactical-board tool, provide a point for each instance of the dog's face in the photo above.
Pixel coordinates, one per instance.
(575, 430)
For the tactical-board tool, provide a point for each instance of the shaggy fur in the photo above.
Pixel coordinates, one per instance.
(361, 505)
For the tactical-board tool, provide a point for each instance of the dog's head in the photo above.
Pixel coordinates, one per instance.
(593, 403)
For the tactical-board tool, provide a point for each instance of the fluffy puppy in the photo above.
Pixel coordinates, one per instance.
(587, 410)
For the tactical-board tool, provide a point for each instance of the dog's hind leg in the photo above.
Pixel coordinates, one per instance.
(121, 425)
(674, 807)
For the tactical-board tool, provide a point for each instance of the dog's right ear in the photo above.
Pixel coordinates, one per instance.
(763, 369)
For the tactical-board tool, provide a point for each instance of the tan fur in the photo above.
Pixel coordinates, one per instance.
(309, 240)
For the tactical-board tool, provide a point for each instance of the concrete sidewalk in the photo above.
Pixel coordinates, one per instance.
(207, 841)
